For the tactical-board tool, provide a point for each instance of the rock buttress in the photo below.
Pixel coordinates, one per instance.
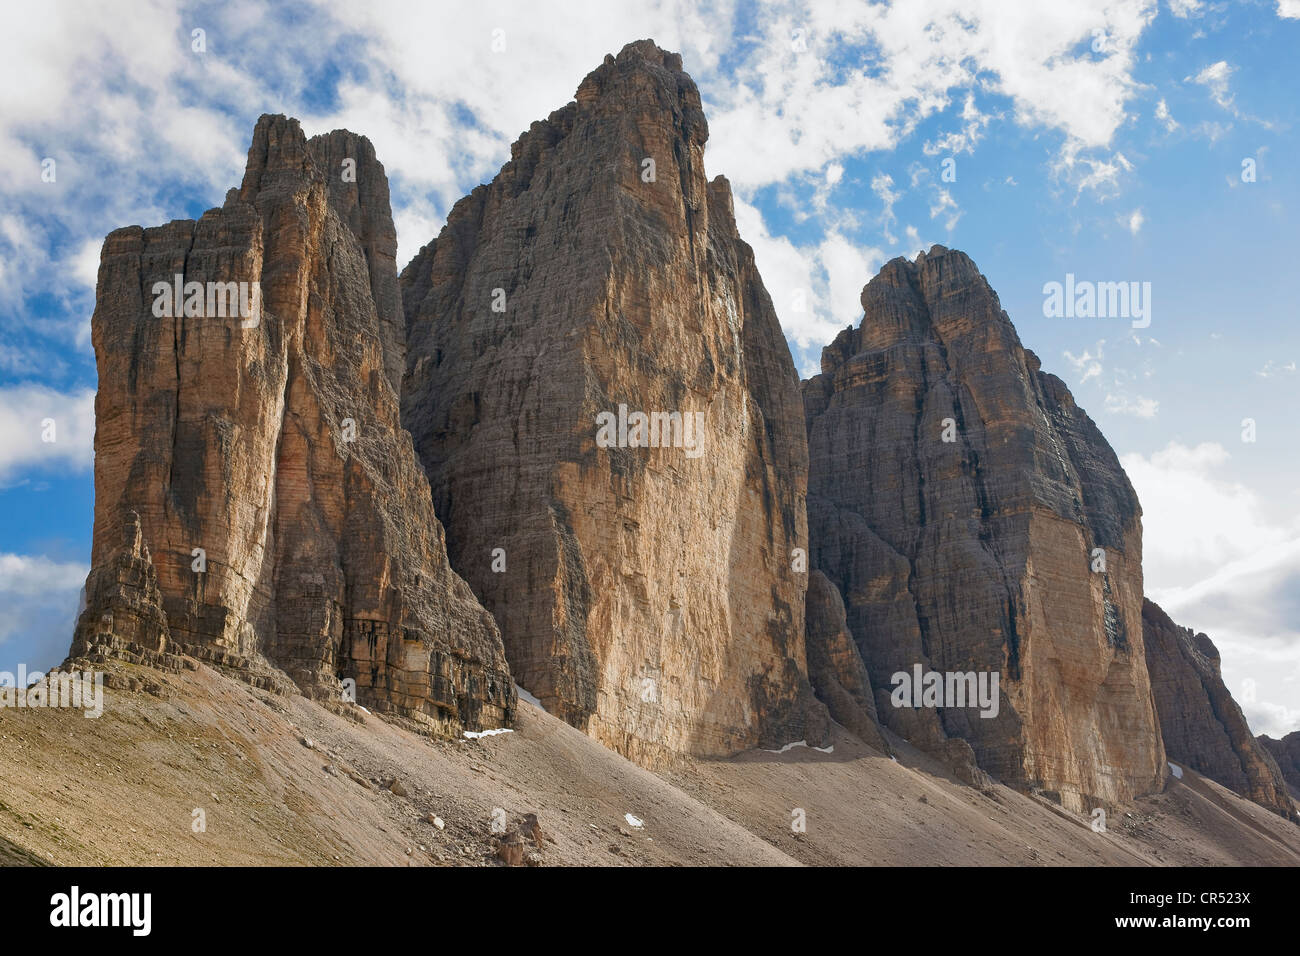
(1286, 752)
(1203, 726)
(958, 499)
(251, 469)
(645, 594)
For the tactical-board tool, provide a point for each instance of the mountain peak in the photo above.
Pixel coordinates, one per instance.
(601, 274)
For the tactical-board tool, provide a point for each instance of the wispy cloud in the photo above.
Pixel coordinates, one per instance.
(1272, 369)
(41, 428)
(1088, 365)
(1136, 406)
(1215, 78)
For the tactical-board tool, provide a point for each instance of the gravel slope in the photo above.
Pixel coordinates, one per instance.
(122, 789)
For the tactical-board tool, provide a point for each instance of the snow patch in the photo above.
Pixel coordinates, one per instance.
(633, 821)
(524, 695)
(1178, 771)
(476, 734)
(797, 743)
(802, 743)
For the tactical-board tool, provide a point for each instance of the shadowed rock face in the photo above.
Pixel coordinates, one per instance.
(645, 594)
(977, 554)
(273, 444)
(1202, 725)
(835, 668)
(1286, 752)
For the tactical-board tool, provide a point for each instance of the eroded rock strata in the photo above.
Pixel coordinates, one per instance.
(1203, 727)
(607, 418)
(257, 503)
(645, 594)
(1286, 752)
(959, 500)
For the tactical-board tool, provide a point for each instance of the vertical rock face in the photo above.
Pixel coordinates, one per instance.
(835, 668)
(1202, 725)
(127, 620)
(644, 593)
(957, 497)
(253, 485)
(1286, 752)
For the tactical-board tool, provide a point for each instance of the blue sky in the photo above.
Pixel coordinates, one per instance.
(1105, 140)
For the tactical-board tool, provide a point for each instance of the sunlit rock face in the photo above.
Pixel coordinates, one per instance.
(645, 594)
(963, 505)
(257, 503)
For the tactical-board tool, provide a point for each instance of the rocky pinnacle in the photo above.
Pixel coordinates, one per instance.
(257, 503)
(975, 521)
(646, 594)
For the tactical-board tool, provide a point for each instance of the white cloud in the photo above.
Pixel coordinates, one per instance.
(25, 412)
(793, 110)
(1267, 717)
(1195, 522)
(1165, 117)
(943, 202)
(1250, 608)
(40, 597)
(1217, 562)
(1090, 173)
(974, 124)
(84, 264)
(1289, 9)
(1272, 369)
(1185, 9)
(31, 575)
(23, 361)
(1215, 78)
(1086, 366)
(1135, 221)
(1137, 406)
(848, 268)
(816, 289)
(882, 184)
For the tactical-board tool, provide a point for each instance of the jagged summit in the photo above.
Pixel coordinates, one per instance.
(973, 516)
(251, 473)
(958, 498)
(1203, 726)
(648, 593)
(654, 528)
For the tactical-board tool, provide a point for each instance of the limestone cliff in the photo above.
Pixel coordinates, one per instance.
(1286, 752)
(642, 579)
(835, 667)
(257, 503)
(975, 520)
(1202, 725)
